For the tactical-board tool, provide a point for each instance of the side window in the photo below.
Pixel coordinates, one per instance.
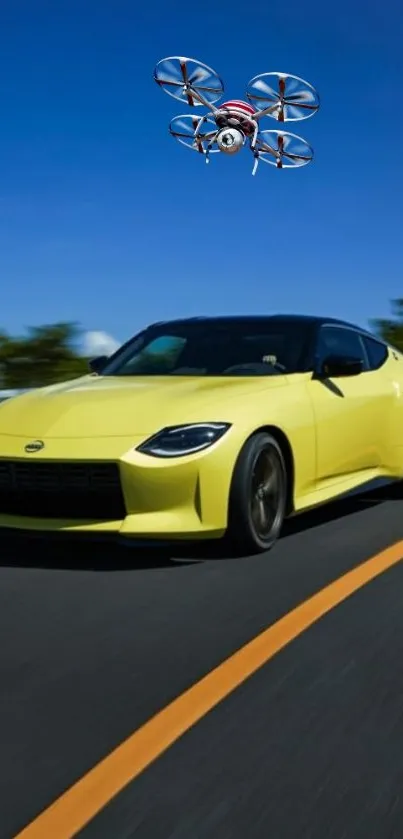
(377, 353)
(335, 340)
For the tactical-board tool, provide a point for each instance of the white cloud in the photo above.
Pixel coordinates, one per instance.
(99, 343)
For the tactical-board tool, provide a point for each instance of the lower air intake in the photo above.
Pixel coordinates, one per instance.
(56, 489)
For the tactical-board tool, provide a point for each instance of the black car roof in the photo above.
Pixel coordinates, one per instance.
(314, 320)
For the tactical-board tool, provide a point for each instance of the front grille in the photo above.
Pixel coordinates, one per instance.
(55, 489)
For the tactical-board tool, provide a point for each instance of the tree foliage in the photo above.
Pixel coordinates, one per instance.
(45, 355)
(391, 329)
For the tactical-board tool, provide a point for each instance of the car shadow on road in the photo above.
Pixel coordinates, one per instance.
(76, 555)
(73, 554)
(332, 512)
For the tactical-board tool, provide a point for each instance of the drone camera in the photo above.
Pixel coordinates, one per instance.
(230, 140)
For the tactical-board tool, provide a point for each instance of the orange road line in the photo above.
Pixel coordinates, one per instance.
(78, 805)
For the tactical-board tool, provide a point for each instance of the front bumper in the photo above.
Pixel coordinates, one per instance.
(164, 499)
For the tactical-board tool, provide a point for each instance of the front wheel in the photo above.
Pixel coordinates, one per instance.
(258, 495)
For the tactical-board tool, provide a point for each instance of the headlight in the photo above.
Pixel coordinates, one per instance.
(180, 440)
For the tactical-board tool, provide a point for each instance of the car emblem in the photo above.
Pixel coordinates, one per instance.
(35, 446)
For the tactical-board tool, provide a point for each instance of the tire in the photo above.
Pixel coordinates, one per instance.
(255, 517)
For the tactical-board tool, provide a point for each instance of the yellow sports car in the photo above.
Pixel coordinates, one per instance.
(202, 427)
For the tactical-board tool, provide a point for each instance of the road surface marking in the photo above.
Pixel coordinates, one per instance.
(78, 805)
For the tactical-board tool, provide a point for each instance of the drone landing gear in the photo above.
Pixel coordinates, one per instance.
(256, 161)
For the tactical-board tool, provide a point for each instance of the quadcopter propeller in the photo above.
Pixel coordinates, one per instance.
(188, 80)
(281, 96)
(187, 129)
(282, 149)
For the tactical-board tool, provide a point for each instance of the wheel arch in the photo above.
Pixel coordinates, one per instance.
(287, 452)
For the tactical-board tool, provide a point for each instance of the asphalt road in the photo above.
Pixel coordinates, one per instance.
(94, 643)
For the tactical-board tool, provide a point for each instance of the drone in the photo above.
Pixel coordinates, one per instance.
(230, 126)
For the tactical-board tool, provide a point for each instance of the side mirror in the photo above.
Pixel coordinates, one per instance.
(334, 367)
(97, 364)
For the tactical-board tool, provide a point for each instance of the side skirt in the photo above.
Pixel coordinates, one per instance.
(366, 488)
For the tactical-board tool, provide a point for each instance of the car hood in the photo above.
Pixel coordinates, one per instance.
(112, 406)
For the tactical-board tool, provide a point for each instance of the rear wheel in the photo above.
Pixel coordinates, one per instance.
(258, 495)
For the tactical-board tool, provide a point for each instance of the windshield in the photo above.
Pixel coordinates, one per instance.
(213, 348)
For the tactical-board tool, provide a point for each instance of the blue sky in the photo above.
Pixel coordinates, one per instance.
(105, 220)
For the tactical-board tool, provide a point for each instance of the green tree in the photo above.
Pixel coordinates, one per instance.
(391, 329)
(46, 355)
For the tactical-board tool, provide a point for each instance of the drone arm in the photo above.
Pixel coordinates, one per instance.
(201, 99)
(268, 149)
(265, 111)
(196, 132)
(199, 123)
(254, 138)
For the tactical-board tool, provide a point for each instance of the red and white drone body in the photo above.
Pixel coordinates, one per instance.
(238, 106)
(226, 128)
